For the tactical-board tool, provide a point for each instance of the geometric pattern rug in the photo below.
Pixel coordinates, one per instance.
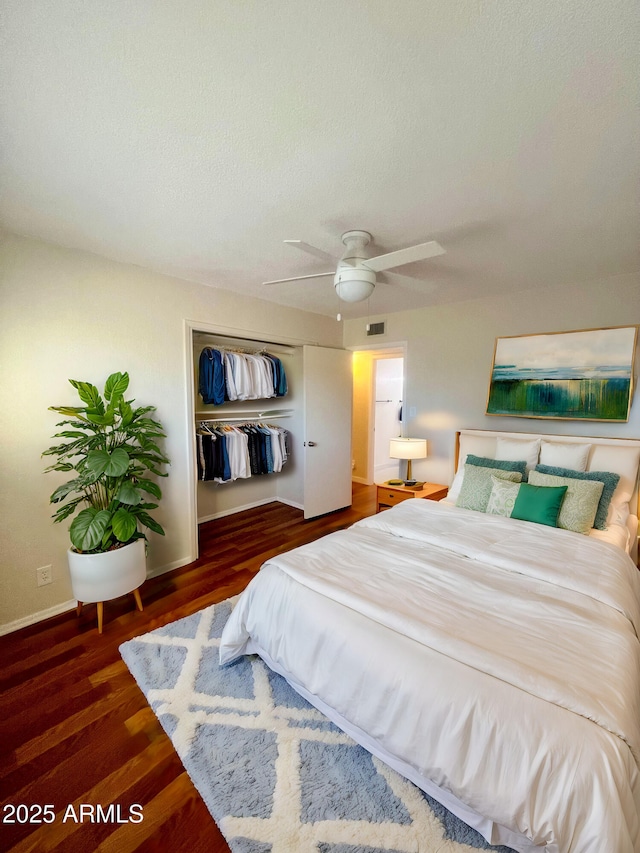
(276, 775)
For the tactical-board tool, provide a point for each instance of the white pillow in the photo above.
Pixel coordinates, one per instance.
(564, 455)
(517, 449)
(620, 460)
(454, 488)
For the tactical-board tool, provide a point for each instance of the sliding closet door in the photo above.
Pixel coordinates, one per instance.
(327, 430)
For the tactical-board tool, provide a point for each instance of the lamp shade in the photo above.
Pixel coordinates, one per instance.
(408, 448)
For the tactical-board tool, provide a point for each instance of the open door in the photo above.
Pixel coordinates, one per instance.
(327, 430)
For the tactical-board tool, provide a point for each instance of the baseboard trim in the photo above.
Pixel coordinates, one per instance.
(169, 567)
(225, 512)
(204, 518)
(40, 616)
(362, 480)
(66, 606)
(291, 503)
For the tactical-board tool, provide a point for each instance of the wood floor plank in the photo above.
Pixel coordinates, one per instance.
(75, 728)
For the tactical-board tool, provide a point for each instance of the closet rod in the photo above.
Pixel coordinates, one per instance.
(205, 340)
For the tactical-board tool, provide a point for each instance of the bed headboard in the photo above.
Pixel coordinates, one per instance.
(620, 455)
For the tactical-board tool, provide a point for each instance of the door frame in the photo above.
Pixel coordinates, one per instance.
(392, 349)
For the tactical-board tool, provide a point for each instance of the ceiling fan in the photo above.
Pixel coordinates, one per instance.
(355, 277)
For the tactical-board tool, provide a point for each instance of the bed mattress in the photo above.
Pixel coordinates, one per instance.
(489, 659)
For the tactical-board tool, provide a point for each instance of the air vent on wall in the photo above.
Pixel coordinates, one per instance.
(375, 329)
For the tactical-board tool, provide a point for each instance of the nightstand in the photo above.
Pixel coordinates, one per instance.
(391, 495)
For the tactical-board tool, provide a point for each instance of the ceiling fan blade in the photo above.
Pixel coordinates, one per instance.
(311, 250)
(405, 256)
(300, 277)
(415, 284)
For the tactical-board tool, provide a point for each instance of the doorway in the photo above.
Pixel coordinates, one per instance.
(378, 414)
(387, 414)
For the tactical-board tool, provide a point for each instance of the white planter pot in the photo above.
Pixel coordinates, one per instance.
(101, 577)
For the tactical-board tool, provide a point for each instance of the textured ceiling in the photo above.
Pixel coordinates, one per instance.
(193, 138)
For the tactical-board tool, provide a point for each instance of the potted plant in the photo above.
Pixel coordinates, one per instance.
(110, 448)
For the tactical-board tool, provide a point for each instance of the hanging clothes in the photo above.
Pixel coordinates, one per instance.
(227, 453)
(211, 381)
(229, 375)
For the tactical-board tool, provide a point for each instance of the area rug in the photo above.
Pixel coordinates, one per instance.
(275, 773)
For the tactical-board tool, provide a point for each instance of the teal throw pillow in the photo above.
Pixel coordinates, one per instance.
(539, 504)
(607, 478)
(477, 483)
(499, 464)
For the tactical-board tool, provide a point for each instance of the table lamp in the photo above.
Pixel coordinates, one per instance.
(408, 448)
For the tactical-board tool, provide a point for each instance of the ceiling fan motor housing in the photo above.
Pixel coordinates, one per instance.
(354, 282)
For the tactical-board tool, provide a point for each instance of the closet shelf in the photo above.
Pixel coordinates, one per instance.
(243, 414)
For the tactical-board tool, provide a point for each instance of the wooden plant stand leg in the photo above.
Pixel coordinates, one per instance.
(100, 614)
(78, 608)
(136, 595)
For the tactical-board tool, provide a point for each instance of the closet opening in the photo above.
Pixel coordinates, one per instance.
(290, 436)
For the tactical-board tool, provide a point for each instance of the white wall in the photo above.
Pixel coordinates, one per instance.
(450, 351)
(66, 314)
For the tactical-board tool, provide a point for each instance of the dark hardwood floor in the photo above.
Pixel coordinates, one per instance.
(76, 730)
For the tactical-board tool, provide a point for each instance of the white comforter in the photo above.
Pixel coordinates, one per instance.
(496, 658)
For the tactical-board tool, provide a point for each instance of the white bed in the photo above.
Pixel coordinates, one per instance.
(492, 661)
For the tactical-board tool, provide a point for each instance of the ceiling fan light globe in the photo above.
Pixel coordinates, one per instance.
(354, 285)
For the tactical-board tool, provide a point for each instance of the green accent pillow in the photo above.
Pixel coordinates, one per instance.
(500, 464)
(476, 486)
(539, 504)
(503, 497)
(608, 478)
(580, 505)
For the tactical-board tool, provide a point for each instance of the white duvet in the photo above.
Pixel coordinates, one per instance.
(495, 659)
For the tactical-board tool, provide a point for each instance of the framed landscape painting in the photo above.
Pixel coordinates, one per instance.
(586, 375)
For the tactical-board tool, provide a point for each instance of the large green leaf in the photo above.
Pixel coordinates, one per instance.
(149, 522)
(71, 448)
(66, 510)
(149, 446)
(101, 418)
(129, 494)
(112, 464)
(146, 423)
(126, 413)
(88, 393)
(65, 489)
(150, 487)
(124, 524)
(149, 459)
(60, 466)
(88, 527)
(115, 386)
(84, 425)
(70, 411)
(71, 433)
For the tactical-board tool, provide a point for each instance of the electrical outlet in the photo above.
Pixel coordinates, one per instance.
(43, 575)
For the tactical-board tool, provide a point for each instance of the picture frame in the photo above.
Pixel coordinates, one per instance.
(578, 375)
